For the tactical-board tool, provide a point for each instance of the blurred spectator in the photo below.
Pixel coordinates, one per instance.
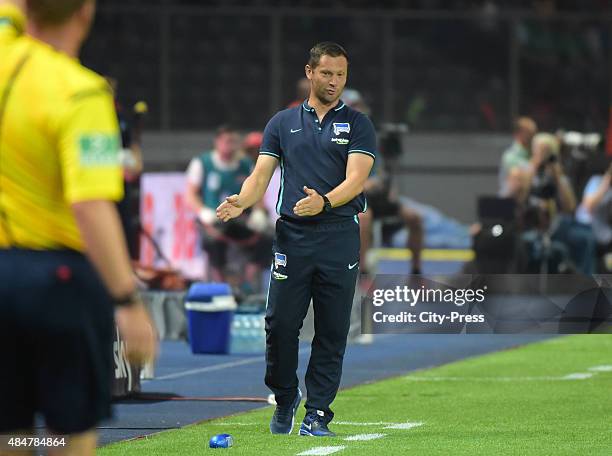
(519, 153)
(536, 252)
(548, 179)
(517, 186)
(548, 203)
(383, 202)
(302, 90)
(264, 215)
(211, 177)
(130, 125)
(354, 99)
(596, 211)
(251, 146)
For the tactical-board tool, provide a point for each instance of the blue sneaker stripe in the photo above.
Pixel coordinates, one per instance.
(311, 426)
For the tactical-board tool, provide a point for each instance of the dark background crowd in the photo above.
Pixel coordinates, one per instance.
(536, 69)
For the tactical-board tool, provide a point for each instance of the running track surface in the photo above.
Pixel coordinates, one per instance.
(179, 372)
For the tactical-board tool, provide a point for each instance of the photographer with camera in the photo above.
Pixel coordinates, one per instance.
(547, 179)
(518, 155)
(550, 206)
(383, 203)
(596, 211)
(382, 198)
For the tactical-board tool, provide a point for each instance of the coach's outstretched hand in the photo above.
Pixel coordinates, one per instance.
(309, 206)
(229, 209)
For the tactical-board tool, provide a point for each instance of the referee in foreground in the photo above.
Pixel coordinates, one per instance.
(325, 150)
(63, 257)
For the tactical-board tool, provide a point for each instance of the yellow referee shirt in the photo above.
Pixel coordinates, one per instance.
(59, 140)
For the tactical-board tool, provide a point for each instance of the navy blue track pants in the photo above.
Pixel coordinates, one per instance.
(317, 261)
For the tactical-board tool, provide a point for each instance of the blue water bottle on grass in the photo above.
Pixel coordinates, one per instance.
(221, 441)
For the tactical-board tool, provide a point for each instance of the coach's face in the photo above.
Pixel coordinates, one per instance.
(328, 78)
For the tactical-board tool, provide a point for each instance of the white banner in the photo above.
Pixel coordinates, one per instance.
(167, 218)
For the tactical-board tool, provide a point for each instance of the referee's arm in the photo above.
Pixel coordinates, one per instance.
(101, 230)
(88, 140)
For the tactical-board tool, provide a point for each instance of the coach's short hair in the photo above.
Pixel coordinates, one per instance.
(325, 48)
(53, 12)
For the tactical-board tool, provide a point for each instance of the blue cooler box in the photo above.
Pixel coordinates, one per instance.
(210, 308)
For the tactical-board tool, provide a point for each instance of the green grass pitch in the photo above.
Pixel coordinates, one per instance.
(533, 400)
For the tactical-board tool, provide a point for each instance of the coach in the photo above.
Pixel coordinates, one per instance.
(325, 150)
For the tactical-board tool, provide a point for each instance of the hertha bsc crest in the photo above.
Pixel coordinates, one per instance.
(342, 128)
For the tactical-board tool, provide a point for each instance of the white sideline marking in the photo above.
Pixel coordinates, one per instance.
(364, 437)
(339, 423)
(605, 368)
(403, 426)
(318, 451)
(578, 376)
(233, 424)
(357, 423)
(499, 379)
(216, 367)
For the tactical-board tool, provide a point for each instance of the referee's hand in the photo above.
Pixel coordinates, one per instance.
(137, 331)
(309, 206)
(230, 208)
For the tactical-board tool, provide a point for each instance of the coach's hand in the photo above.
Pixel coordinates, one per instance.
(230, 208)
(137, 331)
(309, 206)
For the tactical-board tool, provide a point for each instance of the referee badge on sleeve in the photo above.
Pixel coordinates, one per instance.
(98, 149)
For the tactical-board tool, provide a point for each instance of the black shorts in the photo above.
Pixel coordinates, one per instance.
(236, 229)
(56, 333)
(381, 206)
